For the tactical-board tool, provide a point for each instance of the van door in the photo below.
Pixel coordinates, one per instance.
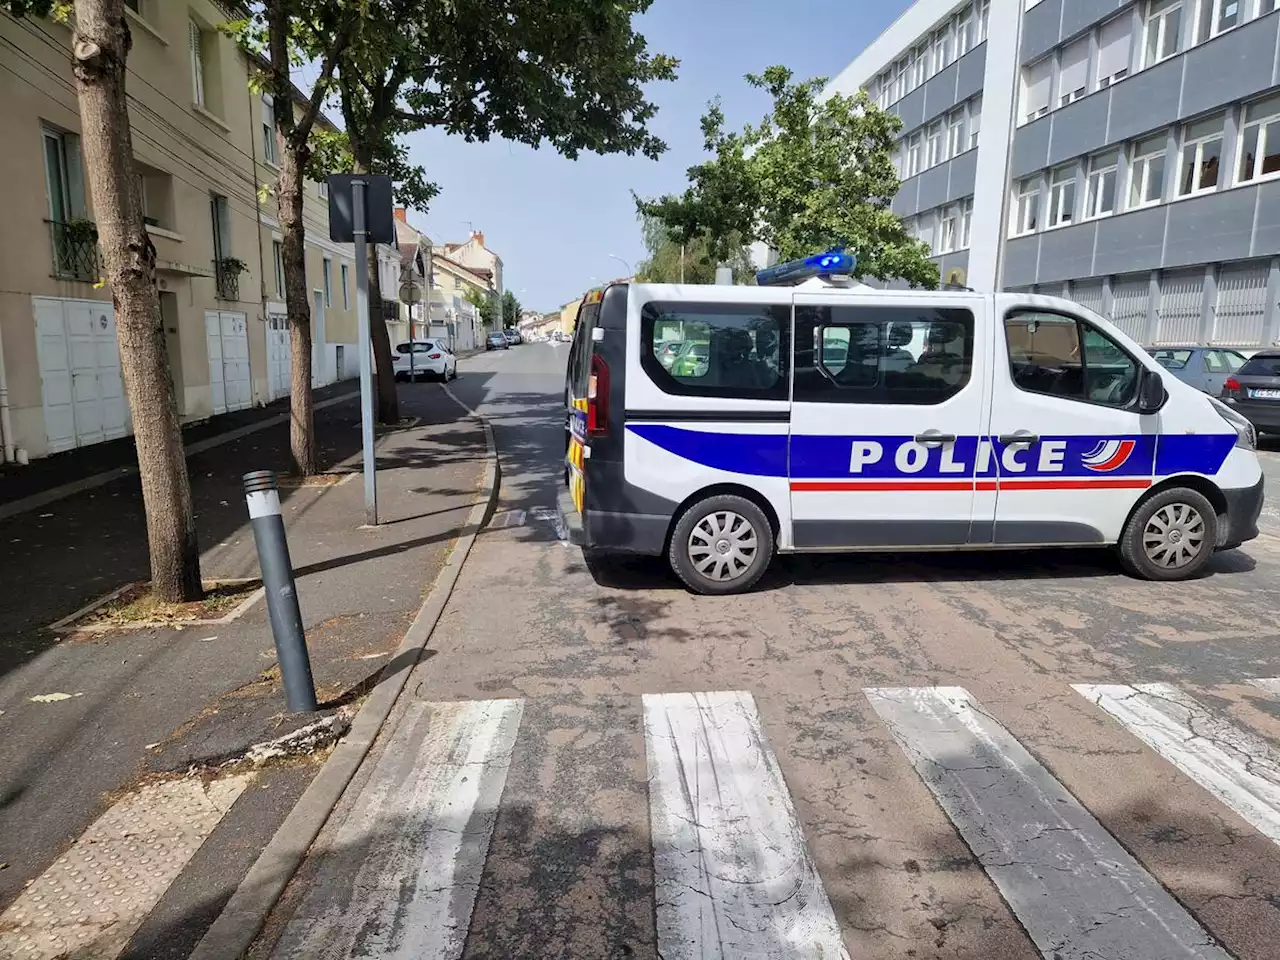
(1074, 454)
(889, 399)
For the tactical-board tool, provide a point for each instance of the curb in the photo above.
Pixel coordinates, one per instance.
(244, 915)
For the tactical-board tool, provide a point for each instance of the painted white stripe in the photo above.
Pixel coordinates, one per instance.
(1269, 684)
(93, 899)
(1076, 891)
(1236, 766)
(401, 876)
(732, 875)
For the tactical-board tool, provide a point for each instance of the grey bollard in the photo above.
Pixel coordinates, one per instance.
(263, 497)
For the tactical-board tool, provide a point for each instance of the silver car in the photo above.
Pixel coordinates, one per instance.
(1205, 368)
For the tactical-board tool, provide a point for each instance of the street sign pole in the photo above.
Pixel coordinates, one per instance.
(365, 350)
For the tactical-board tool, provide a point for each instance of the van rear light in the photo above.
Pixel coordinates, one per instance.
(598, 398)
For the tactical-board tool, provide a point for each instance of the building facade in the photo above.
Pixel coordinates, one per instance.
(480, 259)
(1123, 154)
(203, 143)
(450, 305)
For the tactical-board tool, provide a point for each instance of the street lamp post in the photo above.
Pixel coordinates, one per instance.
(614, 256)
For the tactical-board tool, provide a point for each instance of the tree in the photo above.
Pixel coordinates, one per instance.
(289, 31)
(812, 175)
(511, 309)
(569, 73)
(489, 306)
(100, 47)
(673, 261)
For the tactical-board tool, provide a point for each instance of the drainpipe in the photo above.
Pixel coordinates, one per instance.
(6, 425)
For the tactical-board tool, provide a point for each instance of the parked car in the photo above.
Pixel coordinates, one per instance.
(513, 336)
(1254, 391)
(692, 361)
(424, 358)
(667, 353)
(1205, 368)
(496, 341)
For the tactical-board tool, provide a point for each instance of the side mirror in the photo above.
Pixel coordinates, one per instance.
(1152, 394)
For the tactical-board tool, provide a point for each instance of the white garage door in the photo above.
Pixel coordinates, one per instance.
(278, 354)
(79, 358)
(227, 339)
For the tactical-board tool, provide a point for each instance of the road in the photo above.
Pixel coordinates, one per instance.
(989, 756)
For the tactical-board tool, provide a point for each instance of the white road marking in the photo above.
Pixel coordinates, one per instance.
(732, 874)
(1076, 891)
(1236, 766)
(96, 895)
(401, 877)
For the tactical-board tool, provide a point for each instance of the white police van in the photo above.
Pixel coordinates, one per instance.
(722, 424)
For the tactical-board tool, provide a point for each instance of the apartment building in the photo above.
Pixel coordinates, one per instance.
(203, 144)
(472, 253)
(1123, 154)
(450, 307)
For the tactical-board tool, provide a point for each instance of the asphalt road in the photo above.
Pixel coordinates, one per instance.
(965, 756)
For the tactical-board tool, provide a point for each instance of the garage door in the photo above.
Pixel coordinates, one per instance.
(278, 353)
(81, 386)
(227, 340)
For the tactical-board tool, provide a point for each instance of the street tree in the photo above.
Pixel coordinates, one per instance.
(814, 174)
(283, 33)
(510, 309)
(671, 260)
(568, 73)
(488, 305)
(100, 45)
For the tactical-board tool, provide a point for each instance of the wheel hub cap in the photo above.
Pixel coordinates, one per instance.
(723, 545)
(1174, 536)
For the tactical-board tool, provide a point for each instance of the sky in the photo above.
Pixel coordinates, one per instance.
(554, 221)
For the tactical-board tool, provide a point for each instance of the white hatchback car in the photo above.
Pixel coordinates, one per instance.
(424, 358)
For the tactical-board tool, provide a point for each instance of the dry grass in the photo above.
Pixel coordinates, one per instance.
(137, 605)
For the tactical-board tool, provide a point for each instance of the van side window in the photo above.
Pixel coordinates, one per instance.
(716, 349)
(1066, 357)
(882, 354)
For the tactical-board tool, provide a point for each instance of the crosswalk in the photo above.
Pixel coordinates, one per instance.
(726, 868)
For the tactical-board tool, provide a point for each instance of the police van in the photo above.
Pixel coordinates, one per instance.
(719, 425)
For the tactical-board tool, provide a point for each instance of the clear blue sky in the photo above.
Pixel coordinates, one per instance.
(554, 221)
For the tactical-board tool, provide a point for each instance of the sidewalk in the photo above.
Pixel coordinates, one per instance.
(162, 699)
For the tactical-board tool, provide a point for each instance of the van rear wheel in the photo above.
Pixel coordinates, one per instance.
(721, 545)
(1171, 536)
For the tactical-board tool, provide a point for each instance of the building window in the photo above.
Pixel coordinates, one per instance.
(955, 133)
(220, 219)
(1218, 16)
(1267, 6)
(1163, 31)
(975, 120)
(1100, 191)
(1073, 78)
(915, 154)
(1146, 172)
(64, 176)
(277, 253)
(984, 15)
(322, 189)
(326, 274)
(1036, 81)
(923, 73)
(1260, 140)
(346, 287)
(927, 230)
(1062, 196)
(964, 32)
(1026, 208)
(899, 79)
(196, 38)
(1201, 157)
(269, 153)
(966, 222)
(1115, 43)
(950, 230)
(937, 144)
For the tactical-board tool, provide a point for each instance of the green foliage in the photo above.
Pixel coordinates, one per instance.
(671, 261)
(812, 175)
(510, 309)
(489, 306)
(58, 9)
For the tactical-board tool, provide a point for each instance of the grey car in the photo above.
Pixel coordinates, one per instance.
(1205, 368)
(1254, 391)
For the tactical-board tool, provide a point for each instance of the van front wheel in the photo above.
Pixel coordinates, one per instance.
(1171, 536)
(721, 545)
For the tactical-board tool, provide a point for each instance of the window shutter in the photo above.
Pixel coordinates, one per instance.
(1038, 78)
(1113, 47)
(1075, 70)
(197, 62)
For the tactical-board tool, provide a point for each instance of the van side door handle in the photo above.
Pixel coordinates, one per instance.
(932, 438)
(1022, 436)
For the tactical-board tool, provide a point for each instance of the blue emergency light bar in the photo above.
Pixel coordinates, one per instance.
(821, 264)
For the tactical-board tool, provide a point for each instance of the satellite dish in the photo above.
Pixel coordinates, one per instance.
(956, 277)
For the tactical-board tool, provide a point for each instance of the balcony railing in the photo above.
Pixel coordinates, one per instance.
(75, 250)
(226, 278)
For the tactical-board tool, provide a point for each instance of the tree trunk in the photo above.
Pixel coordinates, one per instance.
(293, 161)
(101, 45)
(388, 399)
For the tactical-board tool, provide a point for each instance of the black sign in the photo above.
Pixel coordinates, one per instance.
(379, 217)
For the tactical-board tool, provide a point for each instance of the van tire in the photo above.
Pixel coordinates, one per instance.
(724, 512)
(1169, 509)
